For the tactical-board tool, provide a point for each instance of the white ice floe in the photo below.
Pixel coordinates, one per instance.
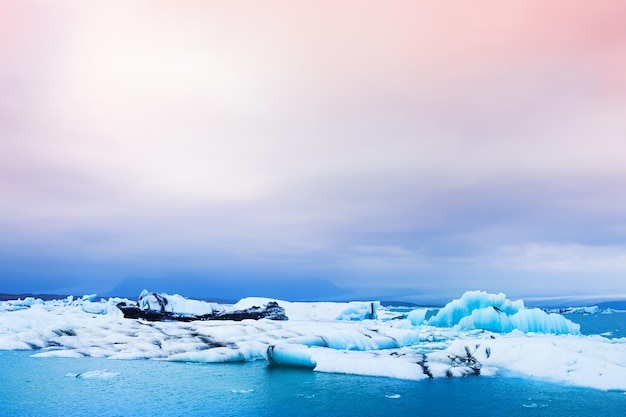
(94, 374)
(320, 311)
(417, 317)
(242, 391)
(479, 334)
(584, 310)
(175, 303)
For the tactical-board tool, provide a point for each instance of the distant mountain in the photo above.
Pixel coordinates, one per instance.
(45, 297)
(603, 302)
(615, 305)
(230, 288)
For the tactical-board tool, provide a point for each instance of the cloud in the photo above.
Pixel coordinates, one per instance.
(569, 257)
(413, 141)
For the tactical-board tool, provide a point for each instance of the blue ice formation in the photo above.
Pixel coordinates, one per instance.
(494, 312)
(417, 317)
(360, 311)
(455, 310)
(291, 355)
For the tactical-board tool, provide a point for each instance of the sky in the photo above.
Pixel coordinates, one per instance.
(405, 147)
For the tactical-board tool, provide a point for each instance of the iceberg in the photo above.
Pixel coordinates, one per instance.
(478, 334)
(417, 317)
(94, 374)
(165, 303)
(154, 306)
(494, 312)
(455, 310)
(319, 311)
(581, 310)
(360, 311)
(291, 355)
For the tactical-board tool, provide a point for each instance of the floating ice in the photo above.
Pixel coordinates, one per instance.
(417, 317)
(94, 374)
(494, 312)
(320, 311)
(25, 303)
(360, 311)
(456, 310)
(479, 334)
(165, 303)
(583, 310)
(60, 353)
(291, 355)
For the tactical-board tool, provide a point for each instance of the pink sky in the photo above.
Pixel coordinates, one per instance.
(345, 136)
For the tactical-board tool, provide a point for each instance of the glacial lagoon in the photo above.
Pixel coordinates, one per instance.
(80, 357)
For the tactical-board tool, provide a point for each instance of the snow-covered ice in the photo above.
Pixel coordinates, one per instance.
(175, 304)
(477, 334)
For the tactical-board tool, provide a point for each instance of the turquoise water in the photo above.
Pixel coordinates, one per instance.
(46, 387)
(609, 325)
(42, 387)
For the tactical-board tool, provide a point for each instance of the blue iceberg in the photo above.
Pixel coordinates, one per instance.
(494, 312)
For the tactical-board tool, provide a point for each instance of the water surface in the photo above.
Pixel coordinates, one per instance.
(48, 387)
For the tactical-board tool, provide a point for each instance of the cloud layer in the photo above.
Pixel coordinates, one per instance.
(429, 145)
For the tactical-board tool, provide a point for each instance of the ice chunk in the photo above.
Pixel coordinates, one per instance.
(488, 318)
(318, 311)
(215, 355)
(26, 302)
(417, 317)
(360, 311)
(455, 310)
(94, 374)
(538, 321)
(582, 310)
(314, 339)
(494, 312)
(14, 345)
(577, 360)
(63, 353)
(102, 307)
(376, 363)
(348, 340)
(166, 303)
(291, 355)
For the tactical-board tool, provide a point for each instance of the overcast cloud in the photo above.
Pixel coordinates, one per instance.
(435, 146)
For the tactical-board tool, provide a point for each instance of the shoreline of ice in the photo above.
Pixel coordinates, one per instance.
(477, 334)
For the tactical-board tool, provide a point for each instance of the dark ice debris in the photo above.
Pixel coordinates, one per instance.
(271, 311)
(467, 361)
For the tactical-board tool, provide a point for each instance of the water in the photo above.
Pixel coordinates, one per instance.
(42, 387)
(47, 387)
(609, 325)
